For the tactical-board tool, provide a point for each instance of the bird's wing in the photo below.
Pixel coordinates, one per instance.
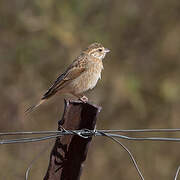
(74, 70)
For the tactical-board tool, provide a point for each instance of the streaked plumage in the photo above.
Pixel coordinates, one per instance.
(80, 76)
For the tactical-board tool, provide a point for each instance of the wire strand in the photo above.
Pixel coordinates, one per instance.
(83, 133)
(35, 159)
(86, 133)
(130, 154)
(144, 130)
(105, 131)
(177, 173)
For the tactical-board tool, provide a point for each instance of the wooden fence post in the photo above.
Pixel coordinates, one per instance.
(69, 152)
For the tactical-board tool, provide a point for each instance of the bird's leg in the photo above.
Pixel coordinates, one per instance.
(84, 99)
(81, 97)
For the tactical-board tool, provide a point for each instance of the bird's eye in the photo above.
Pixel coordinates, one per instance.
(100, 50)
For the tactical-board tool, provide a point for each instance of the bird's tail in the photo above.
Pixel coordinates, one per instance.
(32, 108)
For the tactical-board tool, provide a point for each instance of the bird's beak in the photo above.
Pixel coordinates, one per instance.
(106, 50)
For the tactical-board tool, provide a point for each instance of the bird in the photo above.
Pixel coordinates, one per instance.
(81, 76)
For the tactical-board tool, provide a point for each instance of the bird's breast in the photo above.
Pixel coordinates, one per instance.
(93, 75)
(88, 79)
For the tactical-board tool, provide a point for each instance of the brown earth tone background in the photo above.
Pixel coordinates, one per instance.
(140, 86)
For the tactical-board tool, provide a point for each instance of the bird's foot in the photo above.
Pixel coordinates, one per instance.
(84, 99)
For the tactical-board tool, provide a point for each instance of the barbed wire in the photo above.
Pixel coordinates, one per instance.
(86, 133)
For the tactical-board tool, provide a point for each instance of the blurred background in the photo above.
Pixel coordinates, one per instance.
(139, 88)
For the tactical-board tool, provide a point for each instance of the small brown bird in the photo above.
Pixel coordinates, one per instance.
(80, 76)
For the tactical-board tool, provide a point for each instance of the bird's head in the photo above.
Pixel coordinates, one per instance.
(96, 50)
